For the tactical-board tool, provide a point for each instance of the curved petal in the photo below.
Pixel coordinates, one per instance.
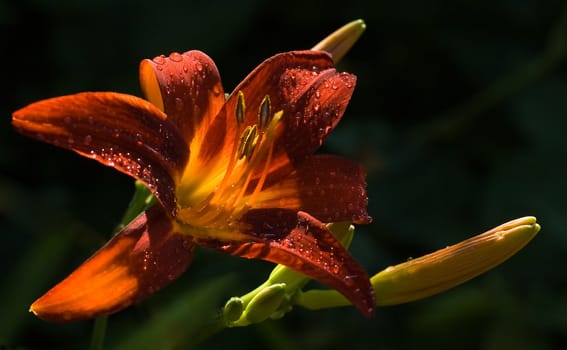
(144, 257)
(187, 87)
(327, 187)
(304, 85)
(307, 247)
(121, 131)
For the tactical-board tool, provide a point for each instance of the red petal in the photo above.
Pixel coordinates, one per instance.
(144, 257)
(328, 187)
(308, 247)
(304, 85)
(121, 131)
(187, 87)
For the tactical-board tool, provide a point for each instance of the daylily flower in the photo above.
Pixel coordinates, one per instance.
(238, 175)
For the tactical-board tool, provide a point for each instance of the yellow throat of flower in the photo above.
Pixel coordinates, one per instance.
(223, 196)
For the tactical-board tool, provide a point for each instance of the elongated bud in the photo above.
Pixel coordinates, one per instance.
(340, 41)
(449, 267)
(438, 271)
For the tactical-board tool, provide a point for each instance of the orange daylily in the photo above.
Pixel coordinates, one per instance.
(236, 175)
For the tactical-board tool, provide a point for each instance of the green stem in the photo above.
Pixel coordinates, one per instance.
(99, 332)
(316, 299)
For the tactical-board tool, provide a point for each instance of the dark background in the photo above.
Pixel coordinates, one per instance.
(459, 116)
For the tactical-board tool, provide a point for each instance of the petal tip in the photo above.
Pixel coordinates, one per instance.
(144, 257)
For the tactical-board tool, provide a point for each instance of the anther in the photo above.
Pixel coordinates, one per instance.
(264, 112)
(251, 145)
(240, 108)
(248, 141)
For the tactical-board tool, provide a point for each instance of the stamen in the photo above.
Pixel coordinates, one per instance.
(247, 142)
(264, 112)
(270, 135)
(251, 145)
(240, 108)
(265, 151)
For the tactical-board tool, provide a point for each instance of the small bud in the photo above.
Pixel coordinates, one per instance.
(265, 303)
(233, 309)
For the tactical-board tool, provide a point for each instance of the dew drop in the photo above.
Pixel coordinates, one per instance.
(317, 94)
(159, 59)
(185, 69)
(139, 139)
(217, 90)
(335, 269)
(70, 140)
(175, 57)
(179, 104)
(316, 107)
(199, 66)
(87, 140)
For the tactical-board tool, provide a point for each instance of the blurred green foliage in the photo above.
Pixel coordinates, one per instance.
(458, 116)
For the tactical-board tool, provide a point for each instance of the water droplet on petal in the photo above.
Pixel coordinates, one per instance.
(199, 66)
(139, 139)
(159, 59)
(179, 104)
(175, 57)
(217, 90)
(87, 140)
